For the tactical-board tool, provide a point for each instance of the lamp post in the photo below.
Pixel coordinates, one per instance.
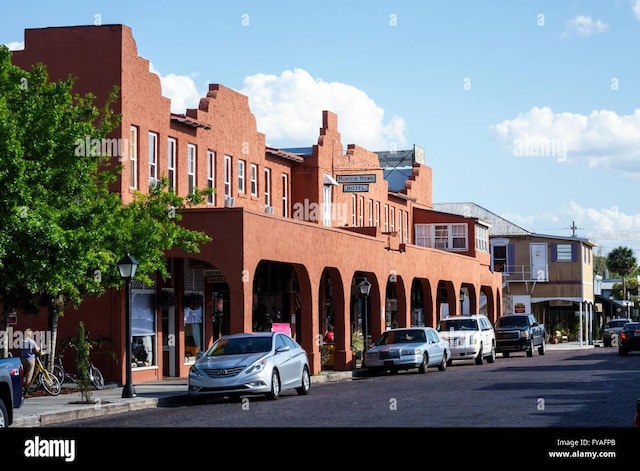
(127, 266)
(462, 296)
(365, 287)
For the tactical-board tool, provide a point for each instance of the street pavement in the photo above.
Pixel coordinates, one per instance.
(47, 410)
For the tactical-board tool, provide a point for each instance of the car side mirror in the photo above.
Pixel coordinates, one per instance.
(284, 348)
(199, 355)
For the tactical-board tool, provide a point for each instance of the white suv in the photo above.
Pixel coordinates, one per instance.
(470, 338)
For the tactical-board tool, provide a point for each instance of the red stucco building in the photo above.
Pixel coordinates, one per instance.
(294, 232)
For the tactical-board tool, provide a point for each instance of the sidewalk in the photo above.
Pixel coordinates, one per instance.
(51, 410)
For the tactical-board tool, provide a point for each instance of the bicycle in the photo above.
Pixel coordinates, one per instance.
(45, 379)
(95, 375)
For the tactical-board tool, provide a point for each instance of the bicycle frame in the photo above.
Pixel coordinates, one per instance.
(44, 378)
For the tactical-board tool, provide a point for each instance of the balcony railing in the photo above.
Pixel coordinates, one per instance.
(524, 272)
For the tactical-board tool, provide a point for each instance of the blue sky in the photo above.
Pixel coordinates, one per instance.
(529, 108)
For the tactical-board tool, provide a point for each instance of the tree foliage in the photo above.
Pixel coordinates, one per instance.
(62, 229)
(621, 261)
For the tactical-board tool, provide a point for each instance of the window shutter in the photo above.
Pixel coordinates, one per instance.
(511, 258)
(574, 252)
(554, 252)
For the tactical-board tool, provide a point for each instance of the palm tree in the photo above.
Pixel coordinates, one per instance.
(622, 261)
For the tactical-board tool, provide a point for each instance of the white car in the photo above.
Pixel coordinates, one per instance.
(470, 338)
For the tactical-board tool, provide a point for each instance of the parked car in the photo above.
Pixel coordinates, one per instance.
(264, 363)
(612, 330)
(629, 338)
(519, 333)
(470, 338)
(408, 348)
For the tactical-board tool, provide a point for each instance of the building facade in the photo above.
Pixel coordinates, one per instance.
(295, 232)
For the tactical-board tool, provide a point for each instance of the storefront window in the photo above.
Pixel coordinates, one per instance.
(143, 329)
(193, 328)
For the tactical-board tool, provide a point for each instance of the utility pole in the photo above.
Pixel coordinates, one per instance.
(573, 228)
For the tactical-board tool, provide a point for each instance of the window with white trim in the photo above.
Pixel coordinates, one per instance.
(451, 237)
(361, 211)
(564, 253)
(253, 175)
(386, 218)
(370, 221)
(171, 163)
(267, 187)
(153, 158)
(211, 176)
(191, 168)
(377, 215)
(133, 157)
(241, 165)
(227, 176)
(406, 227)
(353, 211)
(392, 215)
(285, 195)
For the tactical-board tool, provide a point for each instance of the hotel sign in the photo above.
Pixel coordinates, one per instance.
(368, 178)
(355, 188)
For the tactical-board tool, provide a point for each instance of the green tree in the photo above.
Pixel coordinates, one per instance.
(622, 262)
(62, 229)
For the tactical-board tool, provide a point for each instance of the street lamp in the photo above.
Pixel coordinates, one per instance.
(127, 266)
(462, 296)
(365, 287)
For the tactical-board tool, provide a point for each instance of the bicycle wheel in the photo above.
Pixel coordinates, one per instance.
(58, 372)
(96, 377)
(50, 383)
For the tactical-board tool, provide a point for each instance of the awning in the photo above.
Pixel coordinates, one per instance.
(329, 180)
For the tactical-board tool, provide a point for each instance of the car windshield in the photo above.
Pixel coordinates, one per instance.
(458, 324)
(402, 336)
(513, 321)
(240, 345)
(617, 323)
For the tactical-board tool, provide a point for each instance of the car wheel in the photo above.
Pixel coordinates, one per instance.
(393, 371)
(542, 349)
(4, 415)
(443, 363)
(275, 386)
(492, 358)
(480, 357)
(303, 390)
(530, 349)
(424, 366)
(505, 354)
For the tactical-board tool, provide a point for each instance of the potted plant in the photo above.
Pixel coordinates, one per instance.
(357, 343)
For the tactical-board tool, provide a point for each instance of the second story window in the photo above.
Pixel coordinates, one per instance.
(386, 218)
(211, 176)
(241, 176)
(267, 187)
(285, 195)
(227, 176)
(254, 180)
(361, 211)
(500, 258)
(171, 163)
(191, 168)
(377, 214)
(153, 158)
(133, 157)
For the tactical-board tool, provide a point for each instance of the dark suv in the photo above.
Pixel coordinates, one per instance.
(519, 333)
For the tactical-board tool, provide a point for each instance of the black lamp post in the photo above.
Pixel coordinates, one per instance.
(365, 287)
(127, 266)
(462, 296)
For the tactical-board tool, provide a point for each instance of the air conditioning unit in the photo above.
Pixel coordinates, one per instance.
(268, 209)
(229, 202)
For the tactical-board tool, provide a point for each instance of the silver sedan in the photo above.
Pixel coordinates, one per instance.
(408, 348)
(264, 363)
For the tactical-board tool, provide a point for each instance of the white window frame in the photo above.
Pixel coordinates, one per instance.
(211, 176)
(377, 215)
(267, 187)
(406, 227)
(443, 236)
(285, 195)
(370, 221)
(227, 176)
(386, 218)
(361, 211)
(171, 163)
(241, 175)
(253, 175)
(392, 216)
(153, 158)
(133, 157)
(353, 211)
(192, 156)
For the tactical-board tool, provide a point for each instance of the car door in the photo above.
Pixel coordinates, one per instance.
(285, 361)
(536, 331)
(435, 347)
(487, 334)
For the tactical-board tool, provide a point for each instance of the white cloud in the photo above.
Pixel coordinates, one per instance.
(181, 89)
(602, 139)
(15, 45)
(584, 26)
(607, 227)
(635, 5)
(288, 109)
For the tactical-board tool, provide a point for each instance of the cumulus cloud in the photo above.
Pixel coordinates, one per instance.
(15, 45)
(181, 89)
(584, 26)
(602, 139)
(607, 227)
(288, 109)
(635, 5)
